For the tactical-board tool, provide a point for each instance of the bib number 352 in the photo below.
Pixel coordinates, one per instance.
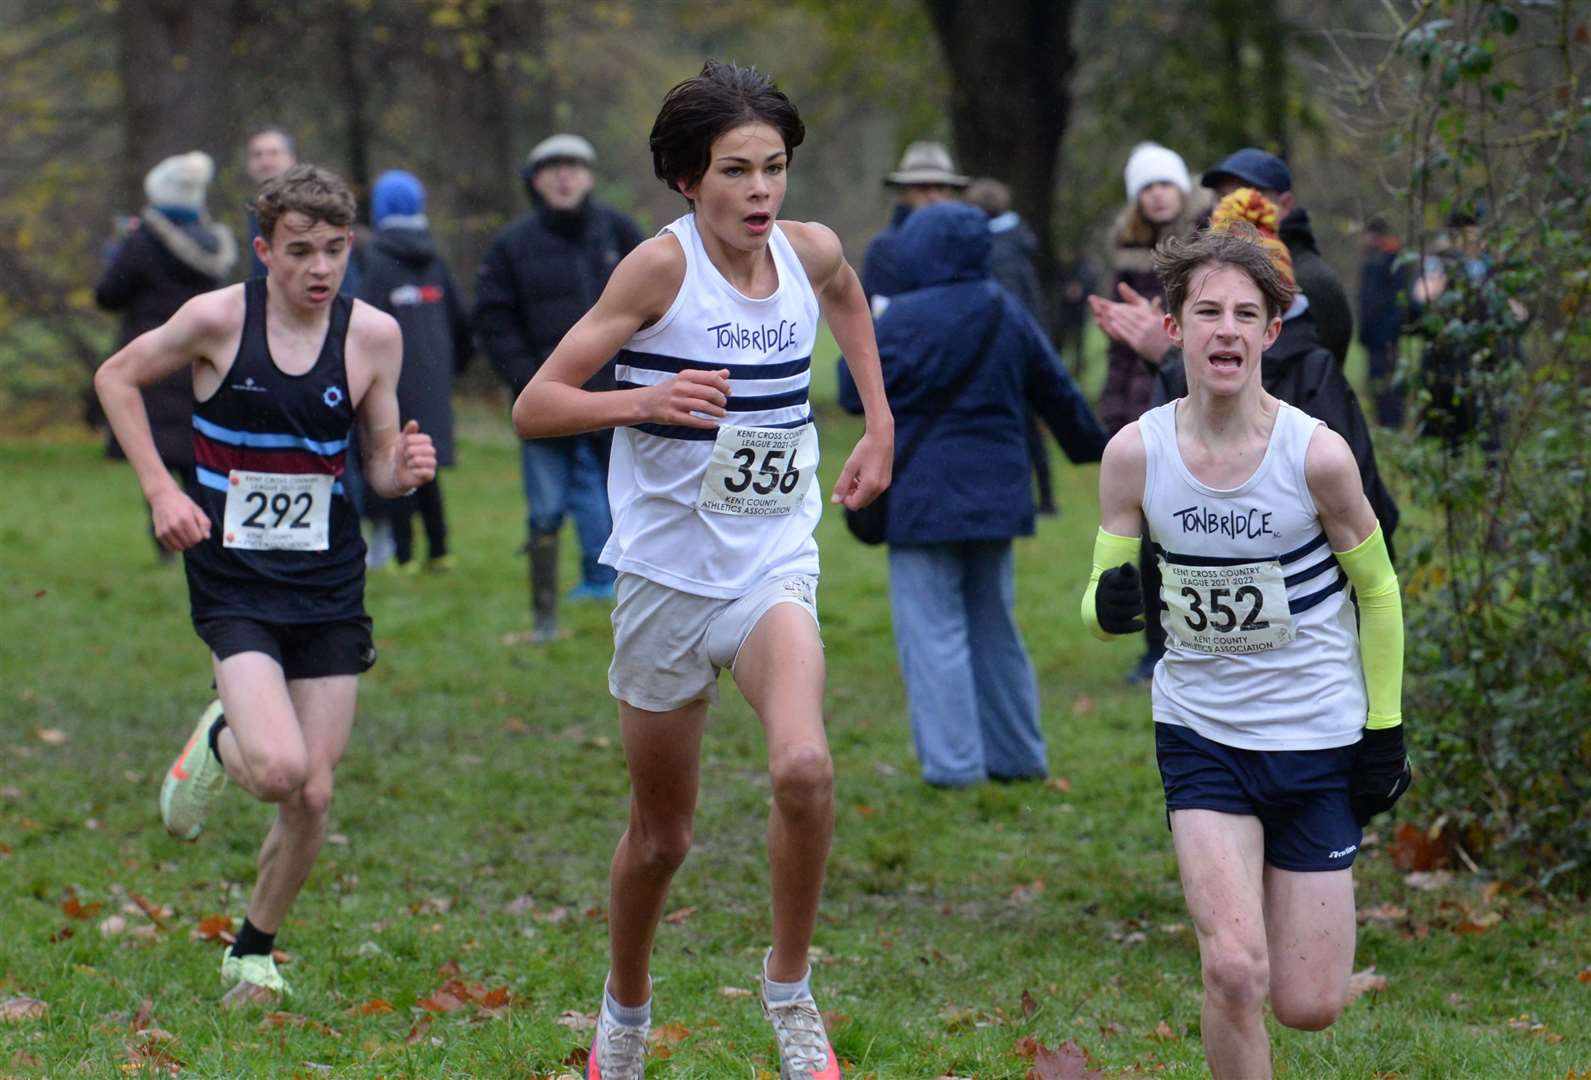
(1228, 609)
(759, 472)
(277, 511)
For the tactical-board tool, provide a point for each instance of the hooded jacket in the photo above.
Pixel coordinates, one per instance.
(970, 476)
(168, 260)
(404, 276)
(1299, 370)
(1328, 300)
(1012, 251)
(882, 271)
(541, 274)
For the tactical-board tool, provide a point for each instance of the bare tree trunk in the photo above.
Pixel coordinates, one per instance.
(175, 86)
(354, 90)
(1010, 67)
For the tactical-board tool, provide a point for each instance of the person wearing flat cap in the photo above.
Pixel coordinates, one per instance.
(1269, 175)
(540, 275)
(926, 176)
(174, 253)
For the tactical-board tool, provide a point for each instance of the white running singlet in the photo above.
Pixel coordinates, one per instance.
(709, 511)
(1262, 651)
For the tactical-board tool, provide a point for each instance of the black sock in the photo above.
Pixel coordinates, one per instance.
(252, 941)
(215, 733)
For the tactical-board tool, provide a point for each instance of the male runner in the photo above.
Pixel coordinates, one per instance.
(1277, 722)
(714, 504)
(282, 367)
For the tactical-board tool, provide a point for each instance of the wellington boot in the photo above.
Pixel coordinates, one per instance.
(544, 588)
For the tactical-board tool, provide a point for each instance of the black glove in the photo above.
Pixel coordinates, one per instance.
(1119, 600)
(1381, 772)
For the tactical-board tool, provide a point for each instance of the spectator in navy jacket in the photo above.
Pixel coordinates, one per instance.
(958, 502)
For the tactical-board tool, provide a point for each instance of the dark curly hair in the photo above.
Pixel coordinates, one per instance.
(1239, 247)
(698, 110)
(319, 194)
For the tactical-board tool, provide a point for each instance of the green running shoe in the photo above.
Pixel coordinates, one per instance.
(244, 974)
(193, 781)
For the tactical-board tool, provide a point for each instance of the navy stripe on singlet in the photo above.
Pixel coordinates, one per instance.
(691, 434)
(742, 403)
(1222, 560)
(673, 365)
(1304, 603)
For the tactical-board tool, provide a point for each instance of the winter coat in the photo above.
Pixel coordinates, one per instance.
(1328, 300)
(1012, 249)
(539, 277)
(883, 273)
(970, 477)
(405, 277)
(1299, 370)
(1128, 382)
(1382, 288)
(159, 267)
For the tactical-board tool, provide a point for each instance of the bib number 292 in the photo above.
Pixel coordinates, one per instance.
(277, 511)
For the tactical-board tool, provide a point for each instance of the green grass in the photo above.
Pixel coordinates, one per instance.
(481, 774)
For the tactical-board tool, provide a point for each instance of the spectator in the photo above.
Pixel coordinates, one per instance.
(173, 253)
(540, 275)
(1012, 247)
(406, 277)
(1271, 177)
(926, 176)
(1159, 204)
(1077, 277)
(961, 498)
(270, 154)
(1383, 293)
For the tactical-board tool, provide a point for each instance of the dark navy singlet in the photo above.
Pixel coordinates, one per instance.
(263, 420)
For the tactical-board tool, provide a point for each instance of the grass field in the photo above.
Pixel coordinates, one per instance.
(478, 806)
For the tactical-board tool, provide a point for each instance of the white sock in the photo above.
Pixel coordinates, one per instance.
(782, 993)
(628, 1015)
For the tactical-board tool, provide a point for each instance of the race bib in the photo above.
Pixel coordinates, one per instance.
(277, 511)
(1227, 609)
(759, 472)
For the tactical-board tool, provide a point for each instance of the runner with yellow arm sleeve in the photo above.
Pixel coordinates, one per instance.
(1278, 724)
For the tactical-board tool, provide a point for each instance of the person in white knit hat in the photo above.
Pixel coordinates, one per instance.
(172, 253)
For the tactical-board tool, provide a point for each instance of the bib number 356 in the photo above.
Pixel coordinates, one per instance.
(762, 472)
(277, 511)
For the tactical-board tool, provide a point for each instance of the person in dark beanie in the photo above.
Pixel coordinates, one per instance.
(1270, 176)
(173, 253)
(406, 277)
(540, 275)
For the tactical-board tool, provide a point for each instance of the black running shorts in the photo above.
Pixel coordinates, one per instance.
(304, 650)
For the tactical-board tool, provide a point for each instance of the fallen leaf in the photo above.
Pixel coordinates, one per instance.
(287, 1019)
(674, 918)
(1059, 783)
(864, 810)
(1428, 880)
(1366, 982)
(575, 1020)
(669, 1035)
(958, 1017)
(417, 1032)
(1585, 976)
(515, 726)
(1029, 1006)
(519, 905)
(373, 1007)
(146, 1009)
(1022, 894)
(440, 1002)
(1082, 705)
(1382, 913)
(157, 913)
(211, 927)
(1066, 1062)
(733, 992)
(50, 736)
(13, 1010)
(76, 909)
(578, 1056)
(112, 925)
(1414, 848)
(61, 935)
(449, 970)
(436, 905)
(1112, 1028)
(1163, 1033)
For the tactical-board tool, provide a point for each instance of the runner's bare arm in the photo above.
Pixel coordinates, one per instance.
(1121, 483)
(191, 336)
(866, 474)
(396, 461)
(1334, 482)
(639, 293)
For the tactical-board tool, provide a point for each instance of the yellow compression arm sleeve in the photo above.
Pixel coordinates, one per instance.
(1110, 551)
(1380, 627)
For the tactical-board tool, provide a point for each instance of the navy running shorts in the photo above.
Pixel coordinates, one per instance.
(304, 650)
(1299, 796)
